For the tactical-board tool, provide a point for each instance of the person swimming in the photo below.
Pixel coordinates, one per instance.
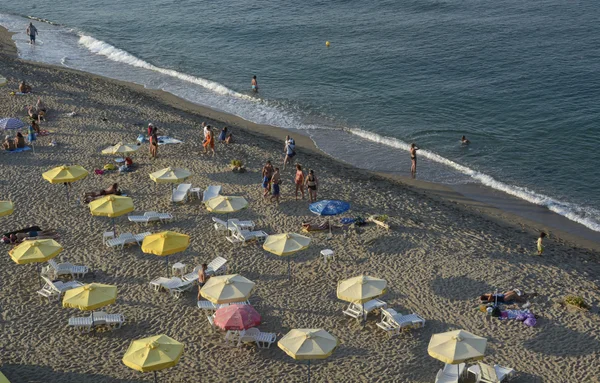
(464, 140)
(254, 84)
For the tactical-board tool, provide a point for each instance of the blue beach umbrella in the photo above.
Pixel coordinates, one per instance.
(328, 208)
(11, 123)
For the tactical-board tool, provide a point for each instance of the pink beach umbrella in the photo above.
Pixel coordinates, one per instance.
(237, 317)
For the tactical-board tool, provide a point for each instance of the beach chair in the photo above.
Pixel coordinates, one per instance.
(487, 374)
(139, 238)
(262, 339)
(56, 289)
(59, 269)
(241, 235)
(174, 285)
(387, 323)
(156, 284)
(215, 267)
(81, 324)
(450, 373)
(221, 225)
(120, 241)
(211, 192)
(359, 311)
(112, 321)
(163, 217)
(141, 219)
(180, 194)
(207, 305)
(107, 235)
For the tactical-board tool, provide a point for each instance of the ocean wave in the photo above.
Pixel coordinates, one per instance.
(571, 211)
(115, 54)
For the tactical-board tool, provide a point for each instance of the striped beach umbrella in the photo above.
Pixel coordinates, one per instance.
(11, 123)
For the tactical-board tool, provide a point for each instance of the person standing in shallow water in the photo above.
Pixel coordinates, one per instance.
(413, 158)
(32, 31)
(254, 84)
(540, 245)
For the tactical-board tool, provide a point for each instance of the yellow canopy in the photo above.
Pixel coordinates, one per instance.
(90, 297)
(303, 344)
(3, 379)
(170, 175)
(360, 289)
(121, 148)
(165, 243)
(153, 354)
(62, 174)
(227, 289)
(6, 208)
(40, 250)
(286, 244)
(226, 204)
(457, 346)
(111, 206)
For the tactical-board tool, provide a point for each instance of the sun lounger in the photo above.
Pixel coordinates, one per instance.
(163, 217)
(211, 192)
(139, 238)
(207, 305)
(450, 373)
(113, 321)
(174, 285)
(120, 241)
(81, 324)
(392, 322)
(241, 235)
(215, 267)
(58, 269)
(221, 225)
(262, 339)
(156, 284)
(56, 289)
(360, 311)
(181, 193)
(488, 374)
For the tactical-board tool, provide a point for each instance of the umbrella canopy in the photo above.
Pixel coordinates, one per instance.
(226, 204)
(227, 289)
(170, 175)
(40, 250)
(3, 378)
(329, 207)
(360, 289)
(62, 174)
(454, 347)
(6, 208)
(237, 317)
(286, 244)
(121, 148)
(165, 243)
(11, 123)
(111, 206)
(90, 297)
(153, 353)
(303, 344)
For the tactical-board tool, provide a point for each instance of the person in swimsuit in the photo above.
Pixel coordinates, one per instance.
(31, 133)
(19, 140)
(202, 278)
(31, 31)
(41, 109)
(299, 180)
(223, 134)
(33, 115)
(254, 84)
(154, 143)
(8, 144)
(24, 88)
(464, 140)
(311, 185)
(276, 180)
(413, 158)
(210, 142)
(267, 173)
(289, 151)
(229, 139)
(150, 129)
(540, 245)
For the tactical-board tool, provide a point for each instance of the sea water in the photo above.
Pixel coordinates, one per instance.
(520, 79)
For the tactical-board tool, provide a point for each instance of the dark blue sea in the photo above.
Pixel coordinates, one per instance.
(521, 79)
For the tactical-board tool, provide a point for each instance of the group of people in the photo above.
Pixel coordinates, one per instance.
(208, 137)
(36, 115)
(413, 154)
(12, 143)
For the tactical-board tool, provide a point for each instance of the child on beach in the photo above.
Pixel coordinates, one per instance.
(276, 180)
(267, 173)
(229, 139)
(540, 245)
(154, 143)
(299, 181)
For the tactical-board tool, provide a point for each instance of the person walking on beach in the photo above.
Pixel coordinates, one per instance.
(299, 181)
(254, 84)
(150, 129)
(312, 184)
(209, 141)
(202, 278)
(154, 143)
(413, 158)
(540, 245)
(289, 150)
(276, 180)
(267, 173)
(32, 31)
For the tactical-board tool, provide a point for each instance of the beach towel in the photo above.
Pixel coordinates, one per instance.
(163, 140)
(514, 314)
(141, 139)
(19, 150)
(19, 93)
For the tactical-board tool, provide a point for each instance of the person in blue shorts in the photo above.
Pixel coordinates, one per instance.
(254, 84)
(267, 173)
(276, 180)
(32, 31)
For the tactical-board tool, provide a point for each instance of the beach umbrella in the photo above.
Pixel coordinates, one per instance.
(6, 208)
(237, 317)
(170, 175)
(361, 289)
(121, 148)
(227, 289)
(328, 208)
(36, 251)
(165, 243)
(455, 347)
(308, 344)
(225, 205)
(285, 245)
(111, 206)
(3, 378)
(65, 175)
(153, 354)
(90, 297)
(11, 123)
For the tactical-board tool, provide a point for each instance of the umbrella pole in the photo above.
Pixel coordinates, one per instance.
(113, 225)
(329, 224)
(167, 263)
(93, 328)
(67, 190)
(155, 380)
(289, 268)
(309, 371)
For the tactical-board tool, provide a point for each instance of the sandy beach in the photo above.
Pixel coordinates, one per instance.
(441, 253)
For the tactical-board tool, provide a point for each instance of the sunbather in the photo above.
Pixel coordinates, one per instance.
(8, 144)
(19, 140)
(24, 230)
(33, 235)
(507, 297)
(24, 88)
(114, 189)
(307, 226)
(202, 278)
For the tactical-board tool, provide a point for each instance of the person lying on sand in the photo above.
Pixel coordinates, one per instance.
(113, 189)
(8, 144)
(41, 109)
(19, 140)
(33, 115)
(24, 230)
(508, 296)
(31, 235)
(307, 226)
(24, 88)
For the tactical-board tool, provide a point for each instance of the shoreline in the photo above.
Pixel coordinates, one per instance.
(497, 205)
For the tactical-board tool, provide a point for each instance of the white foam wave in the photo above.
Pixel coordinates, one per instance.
(119, 55)
(568, 210)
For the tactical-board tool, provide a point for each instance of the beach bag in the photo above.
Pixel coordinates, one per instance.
(521, 317)
(496, 311)
(531, 322)
(109, 167)
(99, 171)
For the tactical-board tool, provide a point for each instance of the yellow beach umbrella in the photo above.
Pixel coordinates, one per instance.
(90, 297)
(40, 250)
(455, 347)
(226, 204)
(308, 344)
(153, 354)
(170, 175)
(3, 378)
(165, 243)
(111, 206)
(360, 289)
(121, 148)
(285, 245)
(6, 208)
(227, 289)
(65, 174)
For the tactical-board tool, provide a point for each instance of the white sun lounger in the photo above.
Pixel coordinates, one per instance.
(163, 217)
(221, 225)
(58, 269)
(211, 192)
(215, 267)
(175, 286)
(139, 238)
(240, 235)
(81, 324)
(113, 321)
(450, 373)
(207, 305)
(180, 194)
(359, 311)
(488, 374)
(262, 339)
(150, 216)
(156, 284)
(392, 322)
(56, 289)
